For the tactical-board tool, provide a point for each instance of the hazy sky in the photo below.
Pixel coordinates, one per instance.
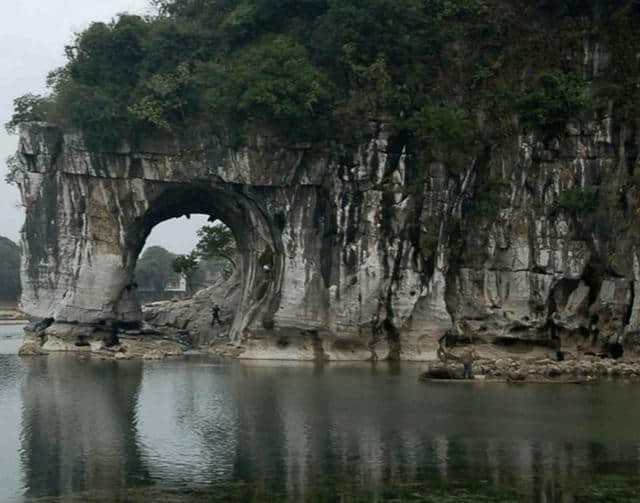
(33, 34)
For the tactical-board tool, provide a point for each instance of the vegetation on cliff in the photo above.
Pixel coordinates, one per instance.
(313, 69)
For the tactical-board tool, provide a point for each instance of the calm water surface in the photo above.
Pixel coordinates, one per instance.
(73, 427)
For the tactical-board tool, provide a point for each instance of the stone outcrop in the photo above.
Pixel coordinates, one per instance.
(351, 253)
(192, 317)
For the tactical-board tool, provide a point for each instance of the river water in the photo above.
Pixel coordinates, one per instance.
(197, 429)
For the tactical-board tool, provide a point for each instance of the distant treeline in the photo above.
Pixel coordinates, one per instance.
(155, 272)
(9, 270)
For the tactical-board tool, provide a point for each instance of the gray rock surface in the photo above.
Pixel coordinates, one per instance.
(192, 317)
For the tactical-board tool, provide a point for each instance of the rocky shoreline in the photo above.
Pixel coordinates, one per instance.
(585, 369)
(102, 344)
(171, 328)
(150, 344)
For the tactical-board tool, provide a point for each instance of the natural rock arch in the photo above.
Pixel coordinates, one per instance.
(252, 231)
(303, 254)
(88, 217)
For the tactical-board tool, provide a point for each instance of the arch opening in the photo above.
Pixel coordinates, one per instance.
(182, 256)
(245, 290)
(187, 279)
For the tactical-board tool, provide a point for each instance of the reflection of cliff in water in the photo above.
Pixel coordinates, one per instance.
(342, 426)
(300, 430)
(79, 427)
(187, 422)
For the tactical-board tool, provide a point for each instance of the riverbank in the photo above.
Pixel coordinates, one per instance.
(179, 329)
(146, 344)
(157, 346)
(585, 369)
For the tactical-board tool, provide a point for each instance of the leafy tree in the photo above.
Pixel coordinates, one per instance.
(29, 107)
(216, 241)
(165, 99)
(314, 70)
(186, 265)
(13, 167)
(192, 8)
(271, 82)
(444, 132)
(576, 202)
(557, 97)
(488, 198)
(106, 55)
(100, 80)
(9, 270)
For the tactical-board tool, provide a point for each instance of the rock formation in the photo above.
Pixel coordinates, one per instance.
(192, 317)
(350, 253)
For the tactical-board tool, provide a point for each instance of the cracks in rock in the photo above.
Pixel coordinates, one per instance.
(632, 297)
(388, 326)
(532, 270)
(325, 219)
(592, 276)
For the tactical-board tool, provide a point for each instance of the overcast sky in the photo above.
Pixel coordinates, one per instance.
(33, 34)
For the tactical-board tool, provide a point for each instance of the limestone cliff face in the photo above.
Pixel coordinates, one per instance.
(334, 260)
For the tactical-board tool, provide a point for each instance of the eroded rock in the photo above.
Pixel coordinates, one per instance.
(192, 319)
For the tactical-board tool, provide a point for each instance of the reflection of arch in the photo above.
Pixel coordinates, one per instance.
(112, 430)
